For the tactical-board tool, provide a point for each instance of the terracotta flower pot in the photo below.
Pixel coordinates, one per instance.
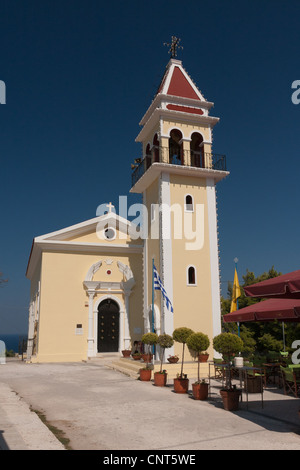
(200, 391)
(160, 380)
(147, 357)
(126, 353)
(181, 385)
(136, 357)
(173, 360)
(145, 375)
(230, 399)
(203, 357)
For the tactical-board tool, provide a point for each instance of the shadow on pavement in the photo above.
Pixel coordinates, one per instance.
(3, 444)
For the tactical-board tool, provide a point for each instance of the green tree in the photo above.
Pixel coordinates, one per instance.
(180, 335)
(251, 332)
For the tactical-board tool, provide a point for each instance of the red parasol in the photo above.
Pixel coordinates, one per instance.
(286, 286)
(287, 310)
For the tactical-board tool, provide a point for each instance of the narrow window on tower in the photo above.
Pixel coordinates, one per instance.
(152, 212)
(191, 276)
(189, 203)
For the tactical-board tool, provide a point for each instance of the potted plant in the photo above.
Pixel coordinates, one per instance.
(203, 356)
(173, 359)
(136, 356)
(164, 341)
(180, 335)
(229, 345)
(199, 342)
(149, 339)
(126, 352)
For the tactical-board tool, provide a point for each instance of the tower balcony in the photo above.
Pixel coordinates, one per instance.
(190, 159)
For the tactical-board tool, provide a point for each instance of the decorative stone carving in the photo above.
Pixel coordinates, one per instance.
(92, 271)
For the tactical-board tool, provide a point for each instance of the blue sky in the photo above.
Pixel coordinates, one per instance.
(80, 75)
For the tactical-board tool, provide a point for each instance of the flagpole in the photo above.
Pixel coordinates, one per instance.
(153, 301)
(152, 295)
(237, 300)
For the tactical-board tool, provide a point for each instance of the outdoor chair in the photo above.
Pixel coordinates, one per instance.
(291, 380)
(256, 373)
(284, 354)
(271, 373)
(273, 356)
(219, 371)
(259, 361)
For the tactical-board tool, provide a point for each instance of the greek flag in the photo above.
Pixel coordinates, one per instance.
(159, 286)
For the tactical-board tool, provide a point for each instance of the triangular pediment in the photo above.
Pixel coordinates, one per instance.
(104, 234)
(90, 230)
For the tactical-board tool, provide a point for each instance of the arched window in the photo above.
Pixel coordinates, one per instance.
(148, 156)
(189, 203)
(196, 150)
(155, 149)
(175, 148)
(191, 276)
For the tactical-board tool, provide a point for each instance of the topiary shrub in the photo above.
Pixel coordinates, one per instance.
(181, 335)
(198, 342)
(164, 341)
(150, 339)
(228, 345)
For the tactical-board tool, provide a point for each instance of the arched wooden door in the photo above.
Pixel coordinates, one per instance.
(108, 326)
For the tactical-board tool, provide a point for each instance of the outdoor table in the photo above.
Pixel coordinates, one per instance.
(243, 376)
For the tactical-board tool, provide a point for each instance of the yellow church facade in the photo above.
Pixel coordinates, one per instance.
(92, 283)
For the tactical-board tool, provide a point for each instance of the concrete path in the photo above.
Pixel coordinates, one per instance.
(101, 409)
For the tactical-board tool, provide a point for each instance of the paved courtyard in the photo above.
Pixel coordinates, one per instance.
(101, 409)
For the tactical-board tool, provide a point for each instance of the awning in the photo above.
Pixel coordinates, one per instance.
(287, 310)
(285, 286)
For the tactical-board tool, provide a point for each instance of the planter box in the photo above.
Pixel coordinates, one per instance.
(254, 385)
(160, 380)
(203, 357)
(145, 375)
(137, 357)
(230, 399)
(181, 385)
(147, 357)
(200, 391)
(126, 353)
(173, 360)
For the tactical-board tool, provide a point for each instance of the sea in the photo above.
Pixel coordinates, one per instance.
(12, 341)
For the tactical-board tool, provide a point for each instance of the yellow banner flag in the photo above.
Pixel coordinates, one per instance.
(236, 292)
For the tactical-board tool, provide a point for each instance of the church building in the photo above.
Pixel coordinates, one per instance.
(92, 283)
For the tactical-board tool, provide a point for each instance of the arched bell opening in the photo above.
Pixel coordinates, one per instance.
(175, 147)
(197, 158)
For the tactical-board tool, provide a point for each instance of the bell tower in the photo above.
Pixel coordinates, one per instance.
(177, 177)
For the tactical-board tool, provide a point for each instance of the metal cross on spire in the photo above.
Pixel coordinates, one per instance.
(110, 207)
(173, 46)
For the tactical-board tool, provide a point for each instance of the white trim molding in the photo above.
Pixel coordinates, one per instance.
(107, 291)
(166, 264)
(124, 340)
(214, 257)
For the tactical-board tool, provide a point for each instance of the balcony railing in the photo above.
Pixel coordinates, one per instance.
(188, 158)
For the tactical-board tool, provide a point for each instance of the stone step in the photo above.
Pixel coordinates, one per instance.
(131, 368)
